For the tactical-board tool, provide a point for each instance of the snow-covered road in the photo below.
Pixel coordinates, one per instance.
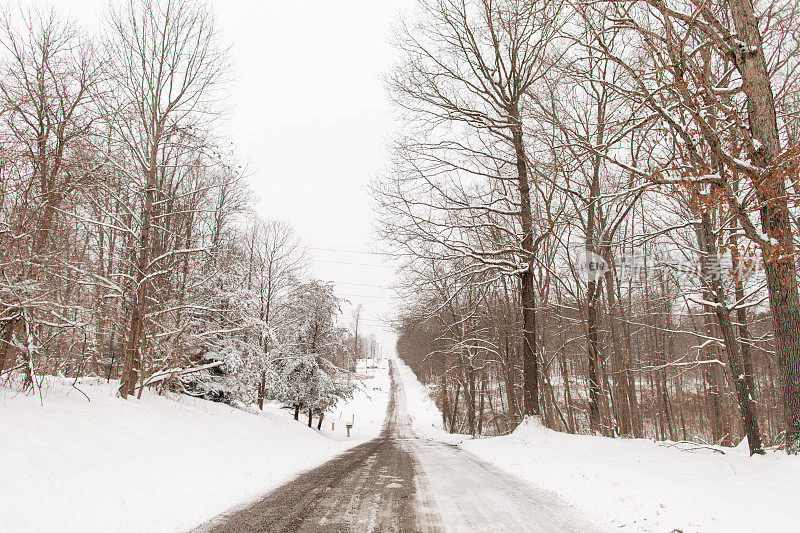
(400, 482)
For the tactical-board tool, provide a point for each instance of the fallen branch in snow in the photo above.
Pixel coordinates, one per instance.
(74, 386)
(689, 446)
(165, 374)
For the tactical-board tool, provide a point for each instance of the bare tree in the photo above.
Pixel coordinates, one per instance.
(636, 140)
(729, 136)
(165, 63)
(357, 312)
(48, 77)
(469, 68)
(277, 259)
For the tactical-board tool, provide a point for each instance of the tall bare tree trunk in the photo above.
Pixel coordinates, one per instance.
(744, 394)
(592, 288)
(623, 379)
(781, 269)
(595, 422)
(133, 351)
(481, 405)
(262, 390)
(508, 360)
(756, 446)
(715, 381)
(469, 389)
(530, 365)
(5, 342)
(454, 415)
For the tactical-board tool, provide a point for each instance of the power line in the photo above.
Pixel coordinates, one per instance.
(361, 284)
(365, 296)
(308, 204)
(345, 251)
(351, 263)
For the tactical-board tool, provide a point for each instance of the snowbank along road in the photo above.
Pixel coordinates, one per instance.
(398, 482)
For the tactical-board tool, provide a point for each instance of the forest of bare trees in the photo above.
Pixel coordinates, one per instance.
(577, 222)
(128, 247)
(594, 204)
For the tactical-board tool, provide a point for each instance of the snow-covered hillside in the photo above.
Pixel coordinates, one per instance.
(636, 485)
(155, 464)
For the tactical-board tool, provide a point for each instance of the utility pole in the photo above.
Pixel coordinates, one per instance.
(357, 318)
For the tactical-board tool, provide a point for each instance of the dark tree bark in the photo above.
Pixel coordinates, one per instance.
(5, 342)
(470, 391)
(454, 415)
(131, 367)
(481, 406)
(625, 388)
(262, 390)
(595, 422)
(745, 395)
(744, 344)
(780, 261)
(530, 365)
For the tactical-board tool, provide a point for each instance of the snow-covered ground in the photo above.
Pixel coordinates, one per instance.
(367, 409)
(639, 485)
(155, 464)
(636, 485)
(170, 463)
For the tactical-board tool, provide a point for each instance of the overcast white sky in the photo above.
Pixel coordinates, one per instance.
(310, 116)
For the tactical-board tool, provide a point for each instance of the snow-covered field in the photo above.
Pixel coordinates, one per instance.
(155, 464)
(636, 485)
